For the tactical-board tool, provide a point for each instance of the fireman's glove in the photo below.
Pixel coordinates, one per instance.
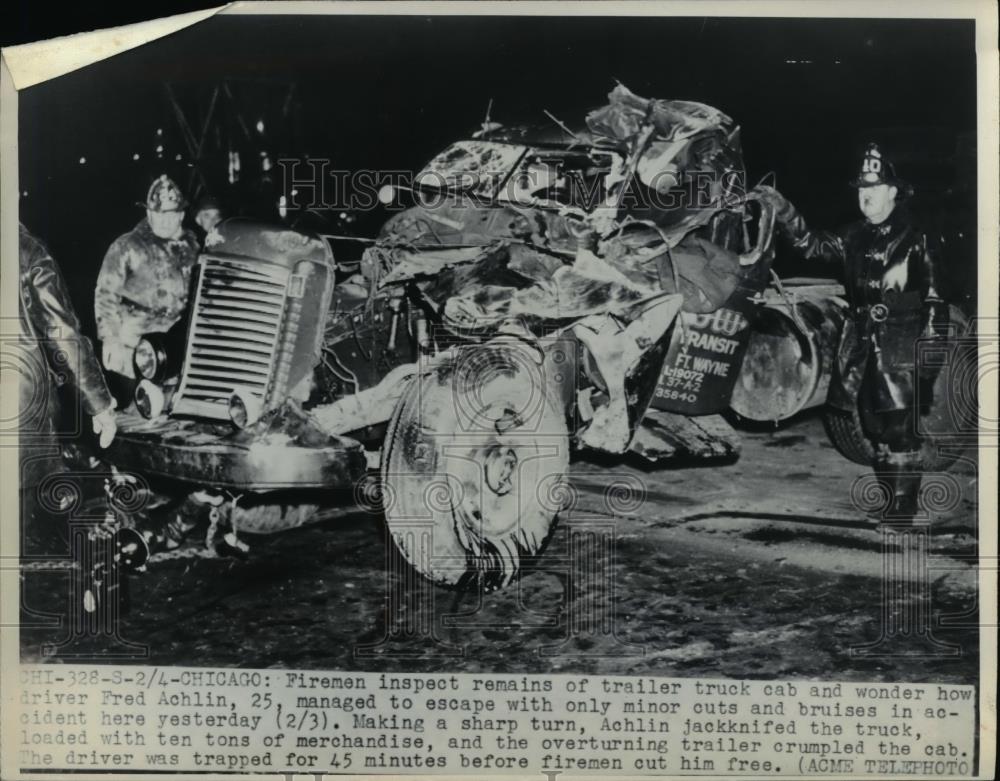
(117, 357)
(105, 426)
(783, 209)
(768, 195)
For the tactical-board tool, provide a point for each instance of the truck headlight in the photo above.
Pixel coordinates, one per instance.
(151, 399)
(150, 357)
(244, 408)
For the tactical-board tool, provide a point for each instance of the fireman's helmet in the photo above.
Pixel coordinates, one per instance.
(877, 169)
(164, 196)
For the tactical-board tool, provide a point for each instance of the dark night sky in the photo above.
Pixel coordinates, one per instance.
(388, 93)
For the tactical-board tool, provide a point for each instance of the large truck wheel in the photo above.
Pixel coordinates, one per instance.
(952, 410)
(848, 435)
(474, 464)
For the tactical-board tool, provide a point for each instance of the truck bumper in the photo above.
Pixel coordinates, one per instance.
(210, 454)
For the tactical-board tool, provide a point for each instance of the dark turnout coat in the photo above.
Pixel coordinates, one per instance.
(56, 350)
(52, 352)
(889, 274)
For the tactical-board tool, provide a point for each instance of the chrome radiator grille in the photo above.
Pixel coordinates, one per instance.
(233, 337)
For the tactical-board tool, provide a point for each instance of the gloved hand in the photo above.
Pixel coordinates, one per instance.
(785, 213)
(116, 357)
(766, 194)
(105, 426)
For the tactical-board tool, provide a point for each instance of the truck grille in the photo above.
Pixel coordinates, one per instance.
(233, 337)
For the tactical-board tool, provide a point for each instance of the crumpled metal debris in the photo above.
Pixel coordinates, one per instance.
(670, 435)
(530, 260)
(495, 261)
(627, 113)
(617, 351)
(480, 287)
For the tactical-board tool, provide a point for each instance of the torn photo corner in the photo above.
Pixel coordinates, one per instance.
(529, 389)
(33, 63)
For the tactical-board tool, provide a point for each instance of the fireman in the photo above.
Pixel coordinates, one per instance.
(143, 284)
(889, 271)
(207, 215)
(59, 352)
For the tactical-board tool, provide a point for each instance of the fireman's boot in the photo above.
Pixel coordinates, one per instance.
(901, 473)
(899, 478)
(905, 626)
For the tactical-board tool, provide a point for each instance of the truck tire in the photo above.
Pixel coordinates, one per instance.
(847, 435)
(952, 410)
(474, 466)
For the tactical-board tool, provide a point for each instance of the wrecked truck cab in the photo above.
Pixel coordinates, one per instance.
(539, 243)
(229, 415)
(652, 192)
